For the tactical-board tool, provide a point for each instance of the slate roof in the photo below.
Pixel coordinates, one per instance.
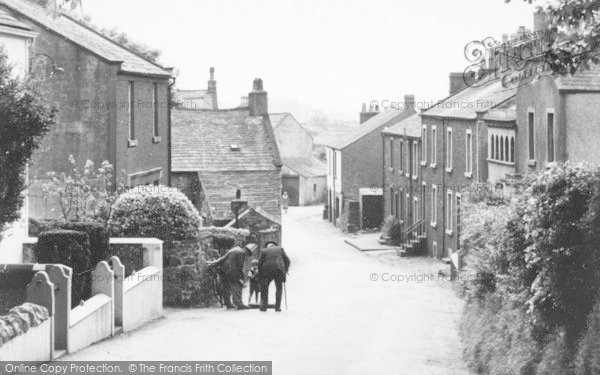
(411, 124)
(203, 140)
(86, 38)
(202, 97)
(374, 123)
(8, 20)
(466, 103)
(305, 167)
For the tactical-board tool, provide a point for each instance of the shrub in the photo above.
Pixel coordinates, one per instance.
(587, 360)
(25, 120)
(392, 230)
(99, 239)
(532, 266)
(224, 238)
(72, 249)
(86, 194)
(21, 319)
(155, 211)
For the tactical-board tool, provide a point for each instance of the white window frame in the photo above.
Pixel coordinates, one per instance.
(416, 164)
(434, 194)
(435, 249)
(530, 135)
(433, 146)
(449, 213)
(469, 153)
(550, 111)
(401, 156)
(391, 154)
(449, 150)
(131, 131)
(424, 148)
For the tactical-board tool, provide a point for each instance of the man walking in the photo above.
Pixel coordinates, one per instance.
(273, 265)
(231, 268)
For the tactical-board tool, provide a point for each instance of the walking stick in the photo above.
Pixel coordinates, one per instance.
(285, 294)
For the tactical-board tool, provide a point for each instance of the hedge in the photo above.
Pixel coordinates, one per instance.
(99, 239)
(155, 211)
(71, 248)
(21, 319)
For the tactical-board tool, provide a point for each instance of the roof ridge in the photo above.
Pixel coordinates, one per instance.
(112, 41)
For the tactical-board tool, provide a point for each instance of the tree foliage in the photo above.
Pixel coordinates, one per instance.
(578, 42)
(533, 260)
(24, 120)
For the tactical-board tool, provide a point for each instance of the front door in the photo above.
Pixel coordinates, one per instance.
(372, 211)
(291, 184)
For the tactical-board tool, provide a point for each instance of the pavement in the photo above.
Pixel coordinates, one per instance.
(348, 313)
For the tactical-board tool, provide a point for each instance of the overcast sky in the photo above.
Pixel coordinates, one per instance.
(314, 56)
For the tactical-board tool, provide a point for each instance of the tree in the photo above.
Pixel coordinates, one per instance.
(24, 120)
(120, 37)
(578, 41)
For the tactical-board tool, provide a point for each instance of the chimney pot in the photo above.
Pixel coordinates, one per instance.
(364, 108)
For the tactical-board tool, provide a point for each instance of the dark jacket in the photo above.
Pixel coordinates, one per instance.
(232, 264)
(273, 262)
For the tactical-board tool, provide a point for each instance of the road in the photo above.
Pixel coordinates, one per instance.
(339, 320)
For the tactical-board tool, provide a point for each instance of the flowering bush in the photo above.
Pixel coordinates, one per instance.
(155, 211)
(392, 230)
(83, 195)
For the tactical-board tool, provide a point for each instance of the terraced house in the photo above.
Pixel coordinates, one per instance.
(112, 103)
(354, 176)
(494, 132)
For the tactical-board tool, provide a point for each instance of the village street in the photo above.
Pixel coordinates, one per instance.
(339, 320)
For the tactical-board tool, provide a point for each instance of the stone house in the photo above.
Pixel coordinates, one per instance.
(304, 177)
(112, 103)
(402, 177)
(454, 155)
(222, 155)
(355, 170)
(198, 99)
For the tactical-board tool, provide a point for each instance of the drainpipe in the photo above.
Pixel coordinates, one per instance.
(443, 170)
(172, 81)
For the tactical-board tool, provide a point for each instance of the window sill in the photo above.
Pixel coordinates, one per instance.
(449, 232)
(433, 225)
(501, 162)
(391, 170)
(132, 143)
(531, 163)
(407, 175)
(433, 165)
(449, 170)
(423, 164)
(415, 178)
(468, 174)
(156, 139)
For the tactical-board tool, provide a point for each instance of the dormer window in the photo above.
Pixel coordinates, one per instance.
(234, 147)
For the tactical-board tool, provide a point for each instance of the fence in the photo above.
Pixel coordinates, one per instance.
(138, 298)
(117, 301)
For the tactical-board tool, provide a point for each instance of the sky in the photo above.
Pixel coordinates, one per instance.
(316, 57)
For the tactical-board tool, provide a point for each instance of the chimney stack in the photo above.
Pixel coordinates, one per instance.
(212, 89)
(409, 102)
(367, 115)
(257, 99)
(457, 82)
